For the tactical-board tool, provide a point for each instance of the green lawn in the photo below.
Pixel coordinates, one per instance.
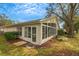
(55, 47)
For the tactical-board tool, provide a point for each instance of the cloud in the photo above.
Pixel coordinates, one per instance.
(30, 9)
(24, 10)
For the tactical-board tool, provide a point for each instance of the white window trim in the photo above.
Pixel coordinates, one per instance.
(47, 30)
(33, 34)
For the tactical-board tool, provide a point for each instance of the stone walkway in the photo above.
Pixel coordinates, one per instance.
(19, 43)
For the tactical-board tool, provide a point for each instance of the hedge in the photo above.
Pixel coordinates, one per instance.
(11, 35)
(61, 32)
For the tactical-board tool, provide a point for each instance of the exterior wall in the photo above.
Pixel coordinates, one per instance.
(50, 20)
(1, 28)
(39, 39)
(38, 34)
(11, 29)
(56, 28)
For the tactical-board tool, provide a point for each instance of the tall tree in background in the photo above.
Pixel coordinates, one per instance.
(49, 14)
(76, 23)
(4, 20)
(65, 12)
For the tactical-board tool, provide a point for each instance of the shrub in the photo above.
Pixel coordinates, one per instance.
(11, 35)
(61, 32)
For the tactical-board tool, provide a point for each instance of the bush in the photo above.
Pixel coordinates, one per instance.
(61, 32)
(11, 35)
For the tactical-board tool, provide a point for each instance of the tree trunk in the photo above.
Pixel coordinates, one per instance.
(70, 30)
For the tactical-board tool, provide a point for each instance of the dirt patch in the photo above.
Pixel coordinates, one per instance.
(48, 44)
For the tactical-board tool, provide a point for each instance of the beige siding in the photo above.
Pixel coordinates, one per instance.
(11, 29)
(39, 36)
(50, 20)
(1, 28)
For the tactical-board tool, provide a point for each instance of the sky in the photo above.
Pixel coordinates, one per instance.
(21, 12)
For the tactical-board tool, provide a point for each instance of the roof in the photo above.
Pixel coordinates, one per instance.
(30, 22)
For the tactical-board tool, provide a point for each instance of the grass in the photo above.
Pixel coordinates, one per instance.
(70, 46)
(11, 50)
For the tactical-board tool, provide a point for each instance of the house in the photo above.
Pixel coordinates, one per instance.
(37, 31)
(1, 30)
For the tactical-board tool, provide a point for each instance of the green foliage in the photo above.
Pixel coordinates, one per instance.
(11, 35)
(61, 32)
(76, 25)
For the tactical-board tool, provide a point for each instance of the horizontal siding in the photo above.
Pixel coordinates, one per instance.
(12, 29)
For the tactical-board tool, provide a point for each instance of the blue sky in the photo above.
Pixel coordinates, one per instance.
(23, 11)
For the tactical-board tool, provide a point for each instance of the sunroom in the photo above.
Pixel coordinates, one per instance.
(39, 31)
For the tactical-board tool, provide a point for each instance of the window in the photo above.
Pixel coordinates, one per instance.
(26, 30)
(45, 23)
(48, 30)
(29, 32)
(34, 34)
(19, 30)
(52, 24)
(44, 32)
(51, 31)
(54, 31)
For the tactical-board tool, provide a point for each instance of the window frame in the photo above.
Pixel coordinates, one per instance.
(34, 34)
(19, 30)
(44, 33)
(31, 32)
(51, 27)
(25, 34)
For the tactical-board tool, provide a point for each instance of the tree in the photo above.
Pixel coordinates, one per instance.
(4, 20)
(49, 14)
(65, 12)
(76, 23)
(76, 27)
